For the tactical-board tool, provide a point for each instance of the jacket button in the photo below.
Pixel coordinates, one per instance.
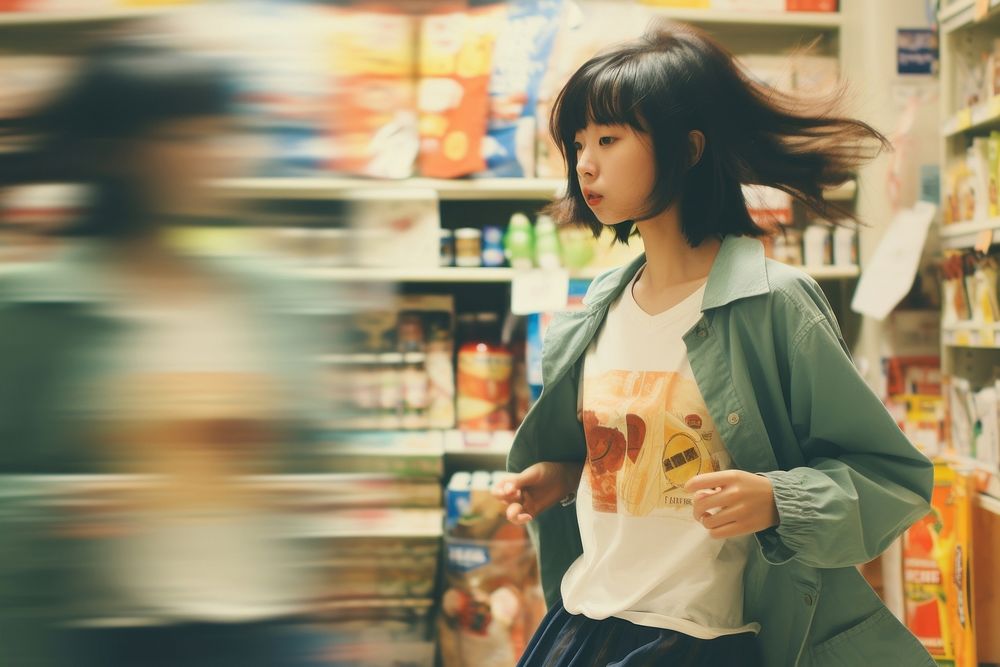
(734, 418)
(808, 599)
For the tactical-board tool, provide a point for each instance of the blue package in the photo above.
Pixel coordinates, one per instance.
(520, 59)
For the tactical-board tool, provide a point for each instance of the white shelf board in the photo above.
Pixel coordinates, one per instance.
(970, 119)
(961, 14)
(829, 20)
(344, 188)
(832, 272)
(971, 334)
(495, 275)
(496, 444)
(844, 192)
(447, 189)
(965, 234)
(57, 19)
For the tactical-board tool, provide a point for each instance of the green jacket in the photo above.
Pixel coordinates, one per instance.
(780, 385)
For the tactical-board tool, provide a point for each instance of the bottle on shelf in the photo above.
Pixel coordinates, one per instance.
(485, 367)
(519, 242)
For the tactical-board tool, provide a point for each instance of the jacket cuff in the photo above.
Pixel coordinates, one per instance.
(777, 544)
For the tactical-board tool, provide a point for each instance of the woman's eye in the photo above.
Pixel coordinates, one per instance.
(607, 141)
(577, 146)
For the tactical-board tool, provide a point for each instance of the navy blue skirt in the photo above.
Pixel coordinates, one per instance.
(567, 640)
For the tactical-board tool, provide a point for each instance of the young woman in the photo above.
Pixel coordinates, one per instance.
(729, 465)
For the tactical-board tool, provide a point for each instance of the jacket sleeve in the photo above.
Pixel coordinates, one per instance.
(863, 484)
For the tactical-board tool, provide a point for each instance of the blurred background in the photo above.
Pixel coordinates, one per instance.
(274, 281)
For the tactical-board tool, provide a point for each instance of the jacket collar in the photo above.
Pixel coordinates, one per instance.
(739, 272)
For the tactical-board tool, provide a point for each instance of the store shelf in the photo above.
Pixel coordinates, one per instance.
(73, 18)
(367, 523)
(974, 118)
(962, 14)
(844, 192)
(971, 334)
(472, 443)
(832, 272)
(829, 20)
(496, 275)
(483, 189)
(963, 235)
(346, 188)
(430, 275)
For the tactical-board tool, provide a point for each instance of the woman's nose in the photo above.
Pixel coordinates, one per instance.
(585, 167)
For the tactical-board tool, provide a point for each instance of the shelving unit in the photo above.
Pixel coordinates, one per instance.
(966, 235)
(498, 275)
(971, 334)
(970, 350)
(452, 190)
(962, 14)
(76, 18)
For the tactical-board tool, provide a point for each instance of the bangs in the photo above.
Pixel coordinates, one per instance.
(603, 92)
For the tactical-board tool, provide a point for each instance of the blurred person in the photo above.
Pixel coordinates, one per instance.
(127, 357)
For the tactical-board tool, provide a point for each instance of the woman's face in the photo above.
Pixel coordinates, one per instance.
(177, 158)
(616, 169)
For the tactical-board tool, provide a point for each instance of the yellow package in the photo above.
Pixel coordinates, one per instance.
(993, 151)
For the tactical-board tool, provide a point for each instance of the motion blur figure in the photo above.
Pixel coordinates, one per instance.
(141, 392)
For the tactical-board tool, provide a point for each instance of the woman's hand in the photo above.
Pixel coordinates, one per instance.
(733, 502)
(537, 488)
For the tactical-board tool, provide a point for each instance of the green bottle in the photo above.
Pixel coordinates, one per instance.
(519, 242)
(547, 243)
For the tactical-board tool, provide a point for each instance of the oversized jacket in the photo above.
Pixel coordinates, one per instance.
(779, 383)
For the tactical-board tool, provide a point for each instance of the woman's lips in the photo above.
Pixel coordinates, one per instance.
(593, 199)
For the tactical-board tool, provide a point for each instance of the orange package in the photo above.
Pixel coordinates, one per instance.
(373, 108)
(936, 571)
(456, 59)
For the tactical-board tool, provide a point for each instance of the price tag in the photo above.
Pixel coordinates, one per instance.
(539, 291)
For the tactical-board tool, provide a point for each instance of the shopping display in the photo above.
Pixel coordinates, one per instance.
(407, 146)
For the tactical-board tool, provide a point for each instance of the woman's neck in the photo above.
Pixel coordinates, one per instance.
(670, 259)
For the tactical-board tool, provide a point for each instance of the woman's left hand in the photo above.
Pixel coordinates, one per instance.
(730, 503)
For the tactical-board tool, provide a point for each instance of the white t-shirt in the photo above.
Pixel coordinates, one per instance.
(645, 558)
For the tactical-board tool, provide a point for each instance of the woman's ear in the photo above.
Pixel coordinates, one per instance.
(696, 141)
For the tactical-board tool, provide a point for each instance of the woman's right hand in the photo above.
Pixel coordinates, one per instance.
(531, 492)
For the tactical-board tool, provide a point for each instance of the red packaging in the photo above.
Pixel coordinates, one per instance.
(456, 59)
(811, 5)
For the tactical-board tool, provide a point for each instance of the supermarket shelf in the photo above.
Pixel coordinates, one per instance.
(470, 443)
(429, 275)
(971, 334)
(832, 272)
(844, 192)
(58, 19)
(961, 14)
(346, 188)
(974, 118)
(395, 523)
(828, 20)
(484, 189)
(496, 275)
(966, 234)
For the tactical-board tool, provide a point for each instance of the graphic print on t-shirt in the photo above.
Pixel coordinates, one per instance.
(648, 433)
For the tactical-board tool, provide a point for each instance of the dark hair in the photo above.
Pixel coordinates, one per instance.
(676, 79)
(122, 90)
